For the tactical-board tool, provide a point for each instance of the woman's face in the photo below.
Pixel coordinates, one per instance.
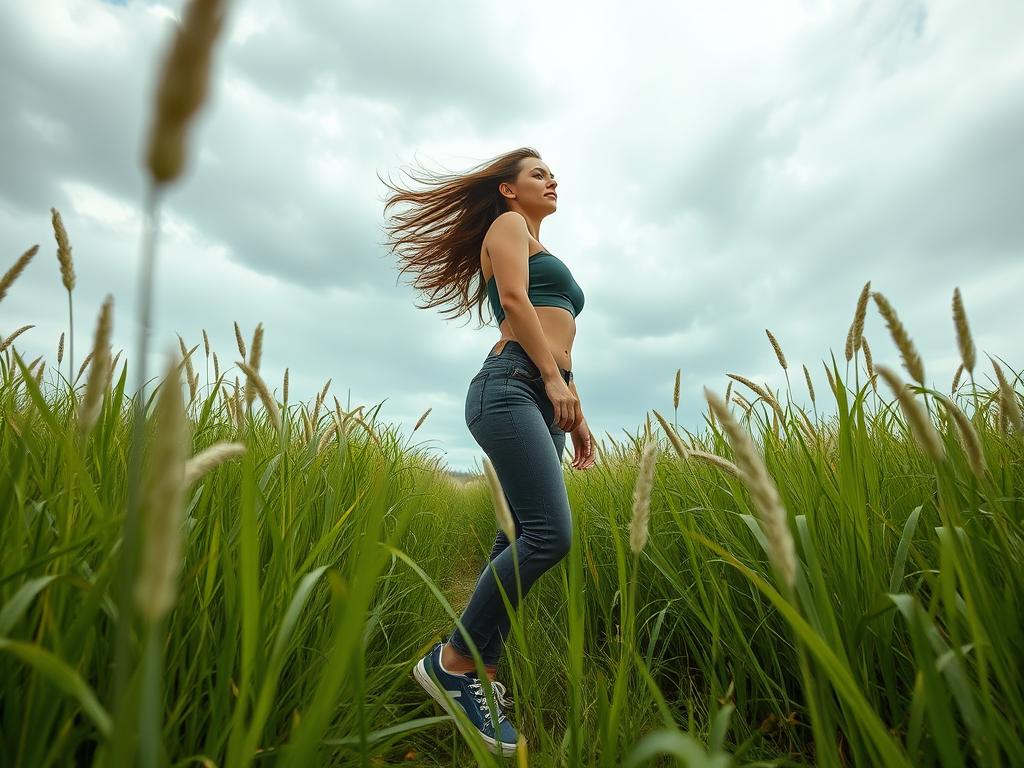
(535, 185)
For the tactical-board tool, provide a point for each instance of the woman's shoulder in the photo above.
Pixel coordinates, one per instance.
(505, 222)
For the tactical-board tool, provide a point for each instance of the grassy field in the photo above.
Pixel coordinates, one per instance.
(842, 590)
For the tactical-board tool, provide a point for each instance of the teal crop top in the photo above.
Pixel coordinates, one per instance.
(551, 285)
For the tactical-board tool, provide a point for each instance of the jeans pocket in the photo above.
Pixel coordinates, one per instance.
(523, 375)
(475, 398)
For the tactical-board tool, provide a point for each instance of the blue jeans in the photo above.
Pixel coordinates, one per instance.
(512, 419)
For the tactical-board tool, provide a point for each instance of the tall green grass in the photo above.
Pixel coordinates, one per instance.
(312, 581)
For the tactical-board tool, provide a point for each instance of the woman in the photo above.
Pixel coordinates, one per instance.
(519, 406)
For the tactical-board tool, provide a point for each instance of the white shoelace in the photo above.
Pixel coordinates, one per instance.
(477, 688)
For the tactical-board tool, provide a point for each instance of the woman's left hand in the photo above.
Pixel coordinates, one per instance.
(583, 446)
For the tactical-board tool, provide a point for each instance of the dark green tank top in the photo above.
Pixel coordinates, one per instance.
(551, 285)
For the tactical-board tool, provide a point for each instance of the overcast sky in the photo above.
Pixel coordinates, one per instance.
(723, 168)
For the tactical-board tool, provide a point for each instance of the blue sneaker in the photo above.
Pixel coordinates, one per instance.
(467, 691)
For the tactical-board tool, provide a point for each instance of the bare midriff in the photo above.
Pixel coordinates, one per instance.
(558, 323)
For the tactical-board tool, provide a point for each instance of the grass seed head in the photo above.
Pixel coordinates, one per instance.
(857, 329)
(716, 460)
(1008, 403)
(163, 506)
(763, 492)
(777, 348)
(255, 380)
(963, 332)
(968, 437)
(810, 386)
(241, 343)
(920, 425)
(642, 498)
(911, 360)
(956, 378)
(673, 437)
(10, 339)
(182, 87)
(19, 266)
(67, 266)
(422, 419)
(209, 459)
(92, 402)
(501, 510)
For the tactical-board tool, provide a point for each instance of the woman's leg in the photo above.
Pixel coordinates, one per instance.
(516, 435)
(496, 644)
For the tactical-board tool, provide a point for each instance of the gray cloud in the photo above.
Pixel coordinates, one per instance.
(719, 174)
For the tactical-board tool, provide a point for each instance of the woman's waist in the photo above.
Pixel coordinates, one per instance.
(512, 352)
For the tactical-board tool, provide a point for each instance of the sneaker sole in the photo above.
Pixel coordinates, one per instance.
(419, 672)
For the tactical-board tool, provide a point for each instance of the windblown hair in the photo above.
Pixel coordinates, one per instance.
(439, 236)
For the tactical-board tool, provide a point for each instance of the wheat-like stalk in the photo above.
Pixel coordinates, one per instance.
(7, 342)
(189, 373)
(956, 378)
(963, 332)
(239, 412)
(777, 348)
(808, 427)
(163, 508)
(216, 368)
(868, 360)
(206, 344)
(920, 425)
(255, 356)
(182, 87)
(210, 458)
(82, 367)
(19, 266)
(810, 386)
(260, 386)
(672, 436)
(642, 498)
(1008, 399)
(742, 402)
(714, 459)
(728, 391)
(319, 401)
(831, 380)
(675, 390)
(761, 392)
(968, 437)
(67, 266)
(229, 404)
(763, 492)
(501, 510)
(857, 329)
(911, 360)
(848, 351)
(60, 349)
(421, 419)
(328, 433)
(307, 428)
(285, 387)
(92, 402)
(241, 343)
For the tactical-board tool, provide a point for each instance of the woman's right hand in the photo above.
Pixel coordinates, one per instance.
(568, 411)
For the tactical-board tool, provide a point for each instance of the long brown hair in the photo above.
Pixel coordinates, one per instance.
(439, 236)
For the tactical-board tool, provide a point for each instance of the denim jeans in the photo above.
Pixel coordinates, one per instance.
(512, 419)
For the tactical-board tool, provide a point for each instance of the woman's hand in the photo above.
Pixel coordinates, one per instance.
(583, 446)
(568, 411)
